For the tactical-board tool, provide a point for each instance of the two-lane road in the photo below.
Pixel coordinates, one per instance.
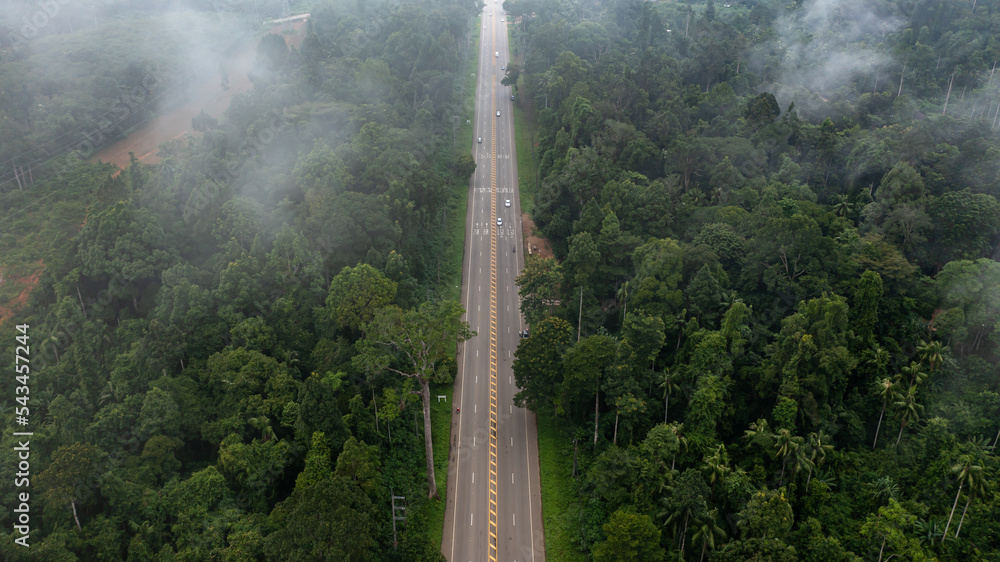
(494, 503)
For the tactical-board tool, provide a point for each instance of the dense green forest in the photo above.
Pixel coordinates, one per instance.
(211, 335)
(771, 326)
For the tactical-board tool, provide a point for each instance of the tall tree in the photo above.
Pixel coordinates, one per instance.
(818, 445)
(585, 364)
(886, 390)
(538, 286)
(687, 503)
(866, 302)
(70, 477)
(538, 365)
(356, 294)
(977, 485)
(708, 532)
(966, 473)
(909, 411)
(415, 344)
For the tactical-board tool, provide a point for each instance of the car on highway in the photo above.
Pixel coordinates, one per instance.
(498, 114)
(504, 67)
(512, 98)
(480, 140)
(506, 203)
(499, 221)
(501, 20)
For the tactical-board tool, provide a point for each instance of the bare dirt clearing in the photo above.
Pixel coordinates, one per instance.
(535, 245)
(144, 143)
(210, 97)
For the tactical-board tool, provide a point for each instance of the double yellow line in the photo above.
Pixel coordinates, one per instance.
(493, 317)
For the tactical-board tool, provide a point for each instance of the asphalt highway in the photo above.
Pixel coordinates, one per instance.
(493, 507)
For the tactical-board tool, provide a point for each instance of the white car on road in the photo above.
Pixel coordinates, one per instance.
(499, 221)
(506, 203)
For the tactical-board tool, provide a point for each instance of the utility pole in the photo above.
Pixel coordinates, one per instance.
(402, 508)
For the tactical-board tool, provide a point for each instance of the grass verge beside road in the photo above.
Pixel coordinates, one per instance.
(526, 169)
(451, 266)
(450, 288)
(555, 458)
(525, 132)
(441, 430)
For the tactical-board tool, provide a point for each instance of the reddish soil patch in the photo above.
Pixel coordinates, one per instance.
(535, 245)
(27, 283)
(209, 97)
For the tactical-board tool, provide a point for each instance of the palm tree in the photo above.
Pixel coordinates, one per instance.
(623, 293)
(883, 488)
(716, 466)
(977, 485)
(930, 353)
(910, 411)
(927, 531)
(826, 477)
(800, 457)
(819, 444)
(842, 207)
(759, 433)
(787, 445)
(707, 532)
(886, 390)
(682, 442)
(966, 472)
(669, 386)
(915, 373)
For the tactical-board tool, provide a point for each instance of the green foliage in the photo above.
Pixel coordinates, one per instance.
(767, 515)
(630, 537)
(200, 320)
(538, 364)
(355, 296)
(811, 362)
(888, 531)
(330, 520)
(538, 286)
(318, 463)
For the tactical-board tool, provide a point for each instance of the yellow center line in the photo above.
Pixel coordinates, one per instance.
(493, 320)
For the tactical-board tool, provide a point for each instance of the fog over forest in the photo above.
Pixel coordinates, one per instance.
(757, 245)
